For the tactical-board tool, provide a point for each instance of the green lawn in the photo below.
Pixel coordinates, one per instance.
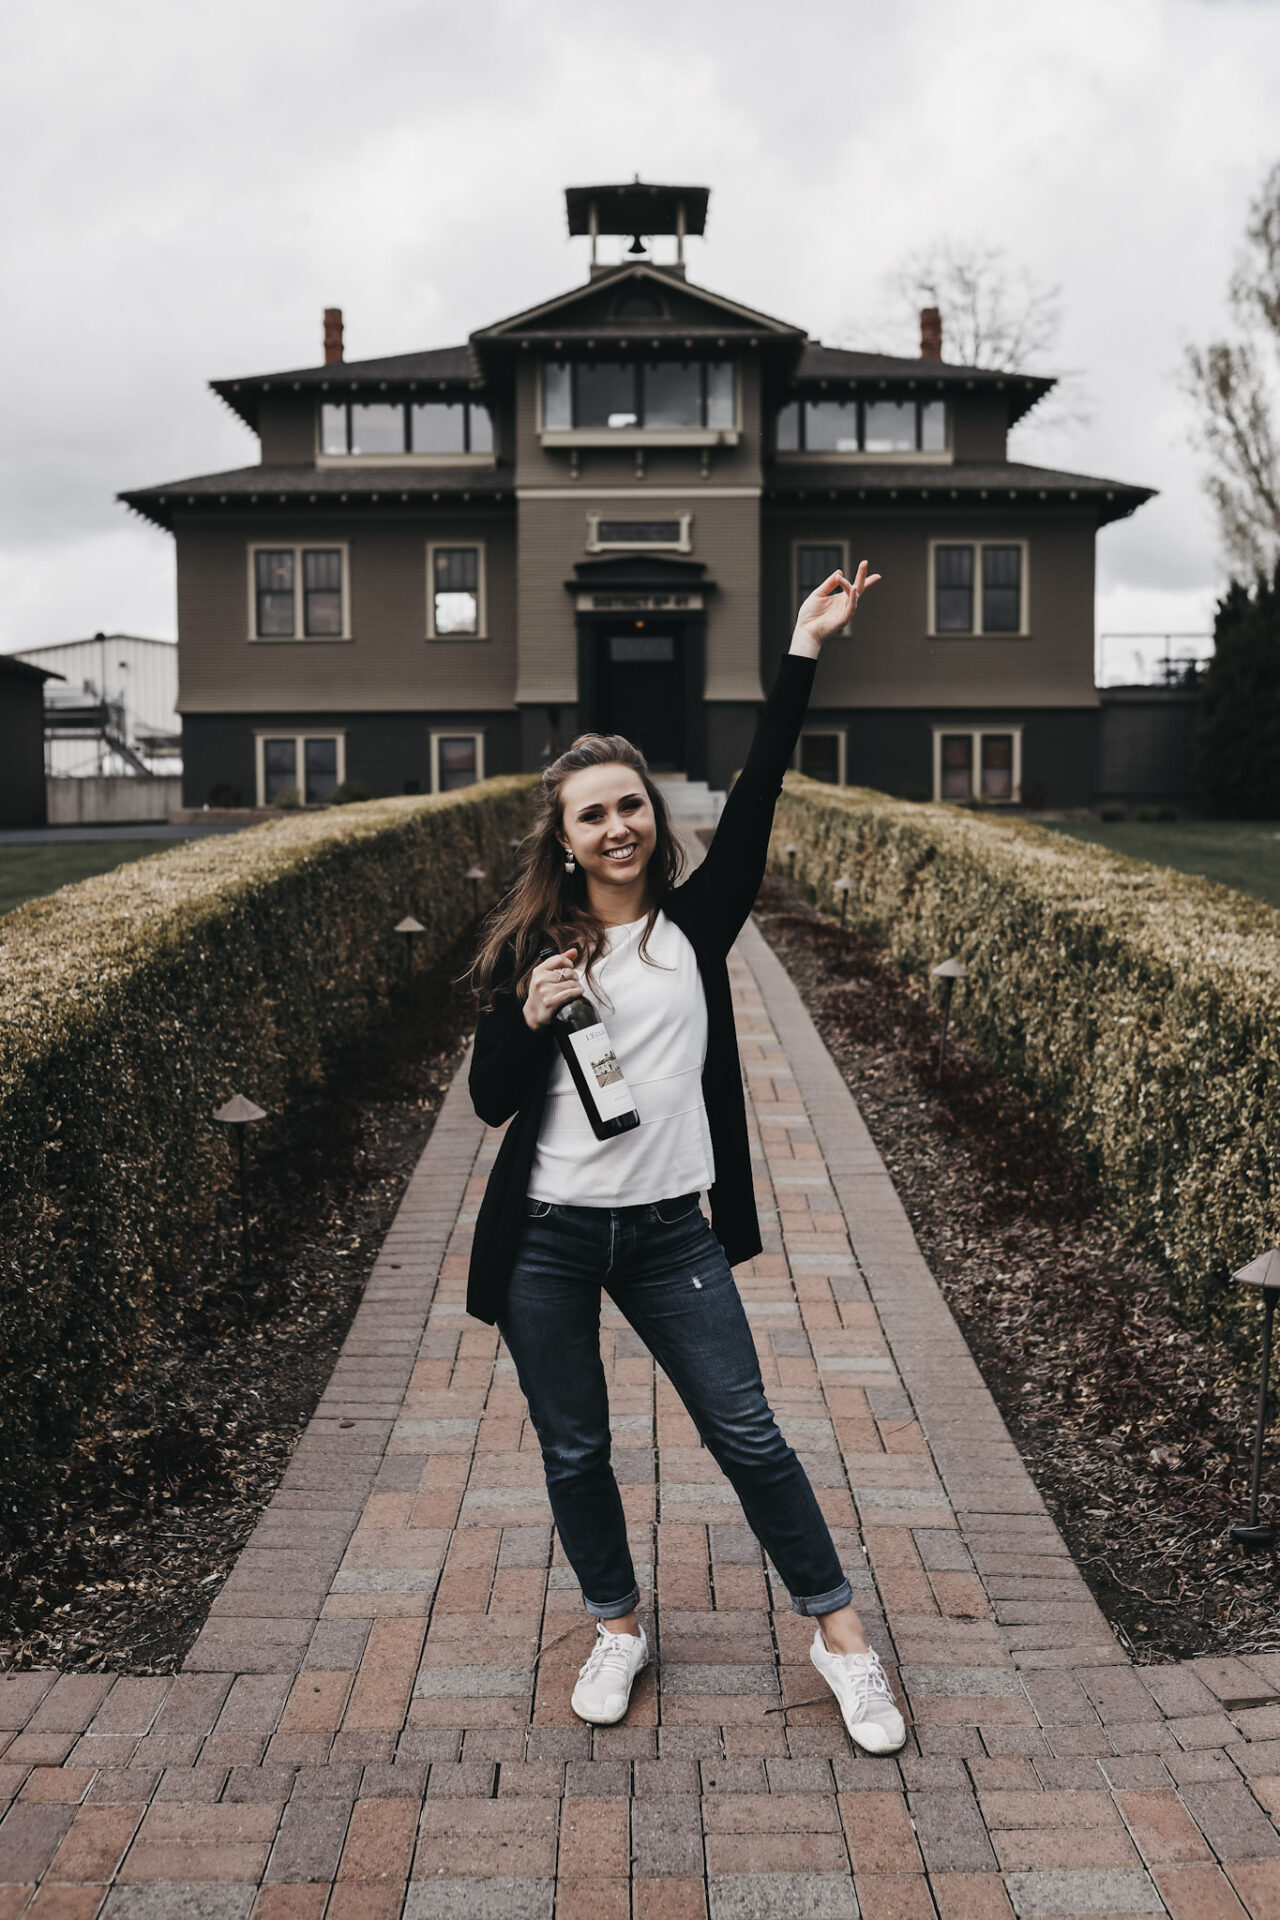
(1237, 853)
(26, 872)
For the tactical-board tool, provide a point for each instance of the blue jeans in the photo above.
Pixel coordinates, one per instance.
(665, 1269)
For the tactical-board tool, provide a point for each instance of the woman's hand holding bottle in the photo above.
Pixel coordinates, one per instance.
(552, 984)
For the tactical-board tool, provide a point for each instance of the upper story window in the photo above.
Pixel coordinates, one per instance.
(298, 593)
(862, 426)
(371, 427)
(978, 587)
(649, 394)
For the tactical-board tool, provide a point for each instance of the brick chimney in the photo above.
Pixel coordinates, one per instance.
(930, 334)
(332, 335)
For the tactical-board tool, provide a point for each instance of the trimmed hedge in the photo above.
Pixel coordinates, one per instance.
(1141, 1006)
(132, 1006)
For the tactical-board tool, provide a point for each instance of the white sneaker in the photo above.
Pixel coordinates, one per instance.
(603, 1692)
(858, 1682)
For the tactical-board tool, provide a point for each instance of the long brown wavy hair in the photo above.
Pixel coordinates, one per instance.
(546, 904)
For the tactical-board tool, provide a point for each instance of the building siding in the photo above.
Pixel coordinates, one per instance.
(553, 534)
(889, 659)
(389, 753)
(22, 788)
(388, 663)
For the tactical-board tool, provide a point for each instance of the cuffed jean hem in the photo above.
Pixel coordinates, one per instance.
(841, 1596)
(616, 1608)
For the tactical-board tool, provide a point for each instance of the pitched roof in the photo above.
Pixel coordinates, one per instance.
(14, 669)
(1004, 480)
(441, 366)
(335, 486)
(637, 207)
(820, 363)
(698, 309)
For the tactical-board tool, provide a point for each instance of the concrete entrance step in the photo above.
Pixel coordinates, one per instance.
(689, 799)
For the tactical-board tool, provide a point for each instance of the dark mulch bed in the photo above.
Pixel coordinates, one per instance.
(1137, 1430)
(165, 1487)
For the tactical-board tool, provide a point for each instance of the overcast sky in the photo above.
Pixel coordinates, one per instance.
(188, 186)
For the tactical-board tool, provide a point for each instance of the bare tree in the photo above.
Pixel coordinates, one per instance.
(1233, 384)
(994, 314)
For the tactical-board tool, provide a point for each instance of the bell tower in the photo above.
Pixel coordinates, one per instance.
(641, 210)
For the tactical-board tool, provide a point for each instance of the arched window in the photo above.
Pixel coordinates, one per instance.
(637, 303)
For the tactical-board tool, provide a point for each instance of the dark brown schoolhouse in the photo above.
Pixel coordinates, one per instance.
(601, 512)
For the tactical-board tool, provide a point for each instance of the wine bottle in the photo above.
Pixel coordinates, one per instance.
(583, 1039)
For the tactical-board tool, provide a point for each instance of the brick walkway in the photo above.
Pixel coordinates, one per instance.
(375, 1719)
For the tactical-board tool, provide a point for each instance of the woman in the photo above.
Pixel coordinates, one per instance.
(565, 1214)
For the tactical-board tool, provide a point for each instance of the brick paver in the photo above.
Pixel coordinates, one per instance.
(375, 1721)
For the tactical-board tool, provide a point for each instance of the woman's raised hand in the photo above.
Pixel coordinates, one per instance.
(552, 984)
(828, 608)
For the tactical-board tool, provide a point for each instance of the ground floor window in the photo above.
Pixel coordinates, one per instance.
(297, 769)
(820, 755)
(457, 760)
(977, 763)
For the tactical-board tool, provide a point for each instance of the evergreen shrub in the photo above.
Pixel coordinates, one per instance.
(133, 1005)
(1141, 1006)
(1237, 742)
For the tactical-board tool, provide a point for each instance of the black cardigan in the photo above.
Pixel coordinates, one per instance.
(512, 1062)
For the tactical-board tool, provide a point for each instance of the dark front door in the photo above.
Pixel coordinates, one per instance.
(641, 691)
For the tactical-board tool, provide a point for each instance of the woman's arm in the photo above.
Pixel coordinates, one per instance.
(507, 1060)
(728, 880)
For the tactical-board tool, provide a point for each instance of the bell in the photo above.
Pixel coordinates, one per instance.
(637, 246)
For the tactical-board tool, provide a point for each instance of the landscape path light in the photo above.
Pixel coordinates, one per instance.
(475, 875)
(948, 971)
(410, 928)
(842, 887)
(1263, 1272)
(241, 1113)
(791, 850)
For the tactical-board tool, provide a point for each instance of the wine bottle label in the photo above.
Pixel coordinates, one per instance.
(599, 1063)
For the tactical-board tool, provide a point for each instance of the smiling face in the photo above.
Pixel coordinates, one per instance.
(607, 823)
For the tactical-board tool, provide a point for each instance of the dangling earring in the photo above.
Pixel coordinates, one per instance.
(570, 864)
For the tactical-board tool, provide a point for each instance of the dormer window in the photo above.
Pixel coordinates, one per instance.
(361, 428)
(862, 426)
(650, 395)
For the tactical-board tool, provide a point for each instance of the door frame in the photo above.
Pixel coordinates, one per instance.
(690, 630)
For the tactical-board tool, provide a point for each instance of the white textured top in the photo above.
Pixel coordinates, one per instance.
(656, 1016)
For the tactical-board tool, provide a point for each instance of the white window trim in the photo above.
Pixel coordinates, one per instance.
(976, 733)
(828, 457)
(482, 598)
(406, 459)
(298, 637)
(550, 437)
(323, 459)
(298, 735)
(454, 733)
(904, 456)
(976, 632)
(842, 741)
(816, 540)
(682, 544)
